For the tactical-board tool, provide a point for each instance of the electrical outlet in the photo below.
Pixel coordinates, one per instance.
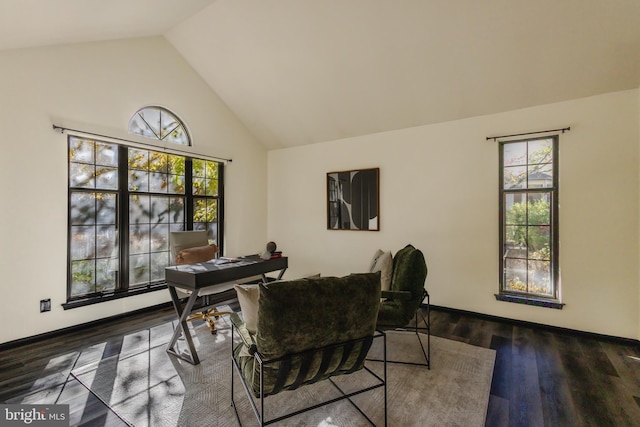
(45, 305)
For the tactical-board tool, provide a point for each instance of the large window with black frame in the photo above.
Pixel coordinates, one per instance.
(123, 203)
(529, 219)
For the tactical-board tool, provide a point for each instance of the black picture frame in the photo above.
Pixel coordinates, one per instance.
(353, 200)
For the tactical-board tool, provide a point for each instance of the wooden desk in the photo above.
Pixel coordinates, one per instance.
(195, 277)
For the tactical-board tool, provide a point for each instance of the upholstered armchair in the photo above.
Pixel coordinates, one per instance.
(308, 330)
(401, 303)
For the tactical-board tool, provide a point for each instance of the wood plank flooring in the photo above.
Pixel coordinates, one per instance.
(541, 377)
(545, 378)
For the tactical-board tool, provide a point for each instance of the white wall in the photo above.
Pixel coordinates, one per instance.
(101, 85)
(439, 191)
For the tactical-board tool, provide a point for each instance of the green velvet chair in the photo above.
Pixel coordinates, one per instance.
(308, 330)
(402, 302)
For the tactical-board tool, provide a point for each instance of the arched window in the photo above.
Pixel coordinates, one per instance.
(159, 123)
(124, 202)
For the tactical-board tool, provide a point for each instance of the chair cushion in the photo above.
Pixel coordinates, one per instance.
(298, 315)
(196, 254)
(248, 299)
(320, 327)
(382, 262)
(409, 271)
(393, 314)
(295, 370)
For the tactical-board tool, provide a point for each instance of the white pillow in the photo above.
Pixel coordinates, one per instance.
(374, 260)
(382, 262)
(248, 299)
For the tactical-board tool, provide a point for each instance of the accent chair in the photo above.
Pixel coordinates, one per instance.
(308, 330)
(402, 302)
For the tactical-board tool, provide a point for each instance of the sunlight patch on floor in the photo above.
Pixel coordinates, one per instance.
(328, 422)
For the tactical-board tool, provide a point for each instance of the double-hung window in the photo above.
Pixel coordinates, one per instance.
(123, 204)
(529, 221)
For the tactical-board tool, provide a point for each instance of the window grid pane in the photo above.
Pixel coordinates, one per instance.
(152, 218)
(152, 215)
(93, 243)
(205, 217)
(92, 164)
(155, 172)
(205, 206)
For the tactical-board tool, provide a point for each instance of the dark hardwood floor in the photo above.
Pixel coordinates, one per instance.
(541, 377)
(548, 378)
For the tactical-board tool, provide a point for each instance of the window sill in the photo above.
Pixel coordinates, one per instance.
(110, 297)
(537, 302)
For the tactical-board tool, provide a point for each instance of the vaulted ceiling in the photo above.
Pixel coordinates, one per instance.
(306, 71)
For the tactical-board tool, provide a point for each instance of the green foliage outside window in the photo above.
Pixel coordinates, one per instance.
(536, 212)
(155, 187)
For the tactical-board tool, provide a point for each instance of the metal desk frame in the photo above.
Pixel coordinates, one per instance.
(195, 277)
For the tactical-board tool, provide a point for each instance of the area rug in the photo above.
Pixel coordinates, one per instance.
(148, 387)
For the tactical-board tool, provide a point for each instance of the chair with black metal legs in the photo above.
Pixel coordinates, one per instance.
(188, 247)
(308, 331)
(404, 300)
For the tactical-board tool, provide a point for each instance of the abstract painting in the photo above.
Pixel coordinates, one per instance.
(353, 200)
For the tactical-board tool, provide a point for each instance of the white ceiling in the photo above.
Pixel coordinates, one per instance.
(305, 71)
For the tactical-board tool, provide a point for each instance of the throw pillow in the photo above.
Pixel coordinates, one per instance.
(248, 299)
(375, 258)
(196, 254)
(383, 262)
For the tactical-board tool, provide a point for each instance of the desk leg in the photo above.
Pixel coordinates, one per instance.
(266, 280)
(182, 327)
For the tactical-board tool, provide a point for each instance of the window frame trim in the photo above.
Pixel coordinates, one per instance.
(156, 137)
(527, 297)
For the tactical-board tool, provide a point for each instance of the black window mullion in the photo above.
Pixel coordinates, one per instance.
(220, 205)
(188, 192)
(123, 217)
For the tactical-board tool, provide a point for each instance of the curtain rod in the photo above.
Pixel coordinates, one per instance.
(63, 129)
(495, 138)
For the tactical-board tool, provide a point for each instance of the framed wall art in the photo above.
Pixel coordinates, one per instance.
(353, 200)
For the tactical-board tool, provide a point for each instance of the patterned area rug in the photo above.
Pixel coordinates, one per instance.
(148, 387)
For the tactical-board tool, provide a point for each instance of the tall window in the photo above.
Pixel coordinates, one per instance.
(123, 203)
(529, 220)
